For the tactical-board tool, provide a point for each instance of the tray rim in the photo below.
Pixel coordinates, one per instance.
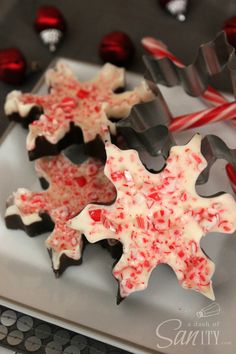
(75, 327)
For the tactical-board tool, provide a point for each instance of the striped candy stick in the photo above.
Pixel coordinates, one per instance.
(220, 113)
(159, 50)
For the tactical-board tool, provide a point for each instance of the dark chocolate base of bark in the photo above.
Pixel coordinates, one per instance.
(119, 298)
(65, 262)
(43, 147)
(14, 222)
(44, 183)
(115, 250)
(33, 115)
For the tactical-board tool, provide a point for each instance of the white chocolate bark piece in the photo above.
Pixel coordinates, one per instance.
(14, 104)
(159, 218)
(71, 188)
(88, 105)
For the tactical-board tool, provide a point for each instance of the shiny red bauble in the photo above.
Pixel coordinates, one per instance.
(50, 25)
(49, 17)
(117, 48)
(12, 66)
(230, 30)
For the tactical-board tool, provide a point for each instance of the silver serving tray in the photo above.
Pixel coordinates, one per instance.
(164, 318)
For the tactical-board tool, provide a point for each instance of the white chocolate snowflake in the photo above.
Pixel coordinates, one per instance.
(88, 105)
(159, 218)
(71, 188)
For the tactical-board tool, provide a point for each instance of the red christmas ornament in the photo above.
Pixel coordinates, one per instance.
(176, 8)
(116, 48)
(230, 30)
(12, 66)
(50, 25)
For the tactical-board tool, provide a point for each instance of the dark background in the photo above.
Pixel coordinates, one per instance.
(89, 20)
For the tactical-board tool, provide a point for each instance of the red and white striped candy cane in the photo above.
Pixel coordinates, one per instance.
(211, 115)
(159, 50)
(226, 110)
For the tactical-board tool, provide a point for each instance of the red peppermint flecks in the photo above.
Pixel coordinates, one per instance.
(71, 188)
(159, 218)
(86, 104)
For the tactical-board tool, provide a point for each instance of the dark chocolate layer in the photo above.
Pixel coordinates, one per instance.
(14, 222)
(44, 183)
(33, 115)
(94, 148)
(119, 298)
(43, 147)
(65, 262)
(115, 250)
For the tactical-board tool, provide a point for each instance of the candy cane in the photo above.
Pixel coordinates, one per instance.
(224, 112)
(159, 50)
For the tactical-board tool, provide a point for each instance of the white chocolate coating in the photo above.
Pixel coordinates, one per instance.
(159, 218)
(86, 104)
(13, 104)
(71, 188)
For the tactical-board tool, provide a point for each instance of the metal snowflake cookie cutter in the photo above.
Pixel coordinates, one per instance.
(211, 59)
(158, 141)
(146, 115)
(144, 129)
(146, 126)
(214, 148)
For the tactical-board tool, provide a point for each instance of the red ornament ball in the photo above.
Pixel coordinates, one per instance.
(50, 25)
(12, 66)
(117, 48)
(49, 17)
(230, 30)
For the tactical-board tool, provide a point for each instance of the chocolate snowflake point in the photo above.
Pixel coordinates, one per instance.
(87, 106)
(159, 218)
(71, 188)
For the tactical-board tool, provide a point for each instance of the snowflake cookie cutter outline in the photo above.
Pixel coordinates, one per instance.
(212, 57)
(146, 126)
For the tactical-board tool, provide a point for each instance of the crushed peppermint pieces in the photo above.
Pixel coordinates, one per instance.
(87, 105)
(159, 218)
(71, 188)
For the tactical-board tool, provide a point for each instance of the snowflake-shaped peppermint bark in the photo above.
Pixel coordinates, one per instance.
(71, 103)
(71, 188)
(159, 218)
